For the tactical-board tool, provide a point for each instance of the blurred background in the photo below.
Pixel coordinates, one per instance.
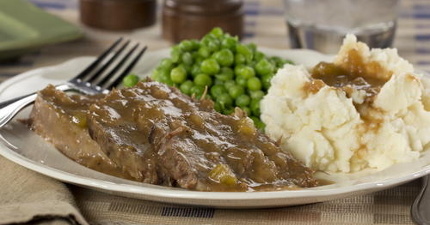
(263, 23)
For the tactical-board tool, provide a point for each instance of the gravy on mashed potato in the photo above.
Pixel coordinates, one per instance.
(366, 109)
(349, 79)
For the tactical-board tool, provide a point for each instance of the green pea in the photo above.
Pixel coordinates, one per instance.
(264, 67)
(259, 94)
(287, 61)
(224, 57)
(155, 75)
(252, 47)
(224, 100)
(265, 80)
(258, 123)
(220, 82)
(229, 43)
(280, 62)
(186, 87)
(235, 91)
(211, 42)
(195, 54)
(165, 78)
(217, 31)
(239, 59)
(175, 55)
(163, 75)
(217, 90)
(197, 91)
(255, 107)
(238, 68)
(213, 45)
(228, 111)
(229, 84)
(225, 74)
(227, 70)
(166, 63)
(186, 45)
(204, 52)
(178, 74)
(242, 81)
(187, 58)
(246, 109)
(187, 67)
(197, 59)
(259, 56)
(254, 84)
(195, 44)
(243, 100)
(195, 70)
(224, 77)
(218, 107)
(203, 80)
(210, 66)
(244, 71)
(245, 51)
(130, 80)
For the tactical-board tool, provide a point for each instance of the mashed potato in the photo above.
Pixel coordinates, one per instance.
(378, 117)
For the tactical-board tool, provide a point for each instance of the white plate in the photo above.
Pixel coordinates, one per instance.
(27, 149)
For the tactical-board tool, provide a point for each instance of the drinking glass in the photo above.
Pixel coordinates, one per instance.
(322, 24)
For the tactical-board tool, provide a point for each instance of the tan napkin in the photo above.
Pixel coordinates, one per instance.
(29, 197)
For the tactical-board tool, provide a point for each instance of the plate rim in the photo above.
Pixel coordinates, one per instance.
(215, 199)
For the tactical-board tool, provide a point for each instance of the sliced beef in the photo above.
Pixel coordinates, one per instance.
(165, 137)
(153, 133)
(61, 119)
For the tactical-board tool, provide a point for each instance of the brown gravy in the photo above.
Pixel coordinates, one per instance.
(353, 74)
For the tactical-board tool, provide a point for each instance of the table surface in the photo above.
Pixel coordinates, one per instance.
(264, 25)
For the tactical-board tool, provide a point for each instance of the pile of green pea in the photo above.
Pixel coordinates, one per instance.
(221, 68)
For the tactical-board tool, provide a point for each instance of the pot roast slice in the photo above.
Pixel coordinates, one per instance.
(155, 134)
(61, 120)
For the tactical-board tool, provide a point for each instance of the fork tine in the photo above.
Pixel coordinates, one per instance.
(97, 74)
(108, 76)
(127, 70)
(94, 64)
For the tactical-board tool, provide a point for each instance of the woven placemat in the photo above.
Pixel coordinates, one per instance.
(389, 206)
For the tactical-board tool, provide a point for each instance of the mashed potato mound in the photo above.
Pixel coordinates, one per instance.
(347, 128)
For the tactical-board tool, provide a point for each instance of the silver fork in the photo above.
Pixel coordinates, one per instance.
(105, 73)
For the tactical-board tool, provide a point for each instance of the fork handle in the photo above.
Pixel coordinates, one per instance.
(421, 207)
(9, 108)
